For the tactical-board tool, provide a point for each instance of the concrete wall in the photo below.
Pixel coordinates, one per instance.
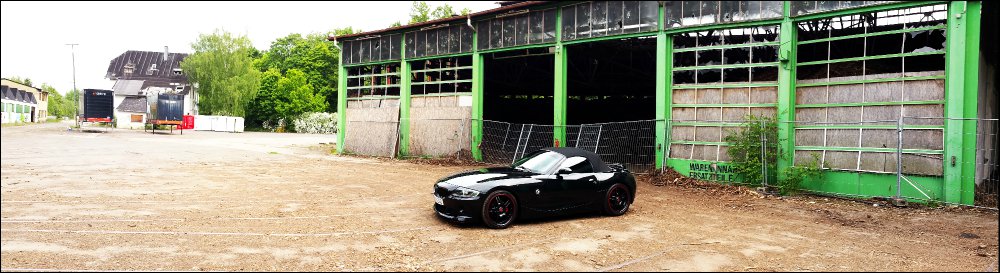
(372, 127)
(440, 126)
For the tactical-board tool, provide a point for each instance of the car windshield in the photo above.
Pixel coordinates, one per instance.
(539, 162)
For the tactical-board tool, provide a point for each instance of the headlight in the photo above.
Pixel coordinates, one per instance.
(464, 193)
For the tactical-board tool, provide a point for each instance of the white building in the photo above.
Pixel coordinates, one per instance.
(23, 103)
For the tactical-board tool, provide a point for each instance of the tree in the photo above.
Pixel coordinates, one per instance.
(71, 103)
(223, 69)
(312, 55)
(300, 96)
(466, 11)
(24, 81)
(56, 102)
(440, 12)
(396, 24)
(263, 108)
(420, 12)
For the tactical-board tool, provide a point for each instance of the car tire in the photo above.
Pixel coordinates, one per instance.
(499, 210)
(617, 200)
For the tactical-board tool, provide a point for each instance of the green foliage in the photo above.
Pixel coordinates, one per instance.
(444, 11)
(396, 24)
(71, 102)
(752, 147)
(466, 11)
(794, 176)
(222, 68)
(263, 108)
(56, 102)
(21, 80)
(299, 94)
(420, 12)
(313, 55)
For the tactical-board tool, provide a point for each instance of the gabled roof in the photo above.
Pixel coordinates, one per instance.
(127, 87)
(30, 98)
(147, 65)
(133, 105)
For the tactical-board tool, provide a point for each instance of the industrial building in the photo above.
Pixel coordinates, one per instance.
(23, 103)
(660, 83)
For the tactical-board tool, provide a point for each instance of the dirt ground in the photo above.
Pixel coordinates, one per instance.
(129, 200)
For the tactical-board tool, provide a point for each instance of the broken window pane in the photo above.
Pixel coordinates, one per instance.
(685, 40)
(508, 31)
(483, 34)
(394, 47)
(537, 34)
(765, 54)
(709, 12)
(709, 57)
(709, 76)
(770, 9)
(496, 36)
(616, 10)
(465, 41)
(886, 68)
(736, 36)
(521, 30)
(583, 21)
(684, 77)
(366, 49)
(739, 55)
(765, 34)
(631, 17)
(710, 38)
(649, 11)
(684, 59)
(764, 74)
(736, 75)
(813, 52)
(568, 23)
(730, 10)
(849, 48)
(599, 18)
(432, 43)
(421, 44)
(811, 72)
(550, 25)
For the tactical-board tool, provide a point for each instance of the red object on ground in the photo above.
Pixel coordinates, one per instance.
(98, 120)
(187, 123)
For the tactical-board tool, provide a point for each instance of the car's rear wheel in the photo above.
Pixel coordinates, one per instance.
(499, 209)
(617, 200)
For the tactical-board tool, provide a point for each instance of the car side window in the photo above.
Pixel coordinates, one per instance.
(578, 164)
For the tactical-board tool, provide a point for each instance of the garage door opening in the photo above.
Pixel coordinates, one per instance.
(611, 81)
(518, 86)
(611, 105)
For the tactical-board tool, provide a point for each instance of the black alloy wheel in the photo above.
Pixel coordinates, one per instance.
(499, 209)
(617, 200)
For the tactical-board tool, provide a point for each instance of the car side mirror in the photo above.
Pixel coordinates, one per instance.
(564, 171)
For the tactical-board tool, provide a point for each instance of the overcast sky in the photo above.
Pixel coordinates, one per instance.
(35, 34)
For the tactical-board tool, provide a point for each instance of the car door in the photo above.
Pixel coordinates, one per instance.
(576, 188)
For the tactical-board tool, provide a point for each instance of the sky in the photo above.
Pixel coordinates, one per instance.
(35, 34)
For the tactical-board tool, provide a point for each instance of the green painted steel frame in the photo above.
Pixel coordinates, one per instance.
(961, 94)
(961, 78)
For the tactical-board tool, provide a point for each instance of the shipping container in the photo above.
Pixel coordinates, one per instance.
(170, 107)
(98, 105)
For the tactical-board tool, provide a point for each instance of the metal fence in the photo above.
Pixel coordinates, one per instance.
(630, 143)
(911, 148)
(980, 157)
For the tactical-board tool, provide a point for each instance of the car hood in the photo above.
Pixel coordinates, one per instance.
(471, 178)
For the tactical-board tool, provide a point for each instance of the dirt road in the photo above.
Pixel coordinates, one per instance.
(257, 201)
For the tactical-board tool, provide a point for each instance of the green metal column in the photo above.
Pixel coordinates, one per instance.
(341, 103)
(786, 91)
(477, 104)
(404, 106)
(559, 93)
(961, 94)
(664, 57)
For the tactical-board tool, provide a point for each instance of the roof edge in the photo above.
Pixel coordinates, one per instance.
(442, 20)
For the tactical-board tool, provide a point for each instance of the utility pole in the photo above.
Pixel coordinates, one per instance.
(76, 115)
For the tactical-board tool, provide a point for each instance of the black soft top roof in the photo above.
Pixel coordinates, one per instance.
(595, 160)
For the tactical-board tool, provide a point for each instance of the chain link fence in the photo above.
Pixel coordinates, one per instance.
(980, 158)
(630, 143)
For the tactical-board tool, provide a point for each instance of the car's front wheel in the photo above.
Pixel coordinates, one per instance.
(617, 200)
(499, 209)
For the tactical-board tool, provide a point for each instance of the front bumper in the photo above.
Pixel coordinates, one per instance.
(456, 210)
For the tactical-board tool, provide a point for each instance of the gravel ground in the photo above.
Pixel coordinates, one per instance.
(129, 200)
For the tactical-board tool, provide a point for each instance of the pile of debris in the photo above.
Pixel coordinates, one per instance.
(671, 177)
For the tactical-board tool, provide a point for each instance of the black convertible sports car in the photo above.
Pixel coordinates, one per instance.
(546, 182)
